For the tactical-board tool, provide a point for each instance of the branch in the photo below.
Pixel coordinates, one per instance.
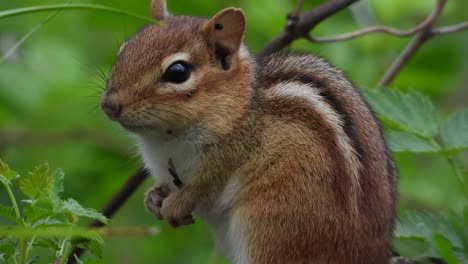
(379, 29)
(420, 38)
(450, 29)
(306, 22)
(299, 26)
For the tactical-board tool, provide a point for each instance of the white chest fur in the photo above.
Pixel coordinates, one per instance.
(187, 157)
(157, 150)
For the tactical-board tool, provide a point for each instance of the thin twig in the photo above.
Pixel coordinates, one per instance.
(450, 29)
(127, 231)
(420, 38)
(307, 22)
(403, 58)
(378, 29)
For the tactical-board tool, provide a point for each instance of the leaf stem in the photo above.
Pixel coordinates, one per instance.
(66, 252)
(27, 36)
(13, 201)
(23, 246)
(79, 6)
(28, 248)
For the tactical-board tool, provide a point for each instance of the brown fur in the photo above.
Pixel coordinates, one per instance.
(297, 199)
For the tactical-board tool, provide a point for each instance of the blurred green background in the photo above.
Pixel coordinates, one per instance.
(50, 87)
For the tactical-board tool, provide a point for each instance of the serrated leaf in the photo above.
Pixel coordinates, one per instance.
(57, 186)
(414, 225)
(36, 213)
(404, 142)
(92, 245)
(6, 174)
(73, 207)
(50, 222)
(7, 212)
(49, 243)
(95, 248)
(411, 112)
(41, 185)
(454, 132)
(37, 182)
(424, 225)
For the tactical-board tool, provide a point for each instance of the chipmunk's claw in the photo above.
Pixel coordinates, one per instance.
(154, 199)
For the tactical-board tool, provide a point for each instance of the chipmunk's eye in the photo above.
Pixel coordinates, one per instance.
(177, 72)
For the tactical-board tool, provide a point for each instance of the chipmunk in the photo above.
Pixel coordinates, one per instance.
(280, 155)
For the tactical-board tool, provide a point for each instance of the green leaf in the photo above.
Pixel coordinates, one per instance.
(417, 225)
(37, 183)
(454, 132)
(404, 142)
(50, 243)
(92, 245)
(34, 259)
(444, 247)
(33, 214)
(6, 251)
(413, 247)
(73, 207)
(6, 175)
(40, 184)
(57, 187)
(7, 212)
(410, 112)
(460, 228)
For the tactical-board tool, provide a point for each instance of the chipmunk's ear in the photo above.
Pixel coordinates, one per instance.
(158, 9)
(225, 31)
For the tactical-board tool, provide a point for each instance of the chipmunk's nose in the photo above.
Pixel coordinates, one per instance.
(113, 110)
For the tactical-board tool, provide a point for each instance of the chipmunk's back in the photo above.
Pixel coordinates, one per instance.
(324, 137)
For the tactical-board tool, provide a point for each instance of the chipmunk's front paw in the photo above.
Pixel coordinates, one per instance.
(177, 208)
(154, 199)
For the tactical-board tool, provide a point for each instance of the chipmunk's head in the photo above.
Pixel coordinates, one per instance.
(180, 71)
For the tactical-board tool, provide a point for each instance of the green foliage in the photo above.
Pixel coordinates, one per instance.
(421, 235)
(410, 112)
(412, 126)
(454, 132)
(46, 220)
